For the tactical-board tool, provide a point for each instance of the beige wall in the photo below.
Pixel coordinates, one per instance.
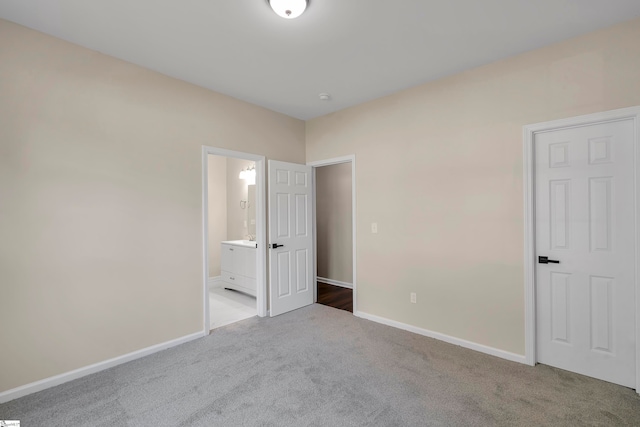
(217, 183)
(100, 201)
(439, 168)
(334, 235)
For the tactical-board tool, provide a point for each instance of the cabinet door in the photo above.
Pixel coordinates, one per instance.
(250, 263)
(227, 258)
(245, 261)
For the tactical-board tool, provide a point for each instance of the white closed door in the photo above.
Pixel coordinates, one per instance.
(585, 292)
(290, 237)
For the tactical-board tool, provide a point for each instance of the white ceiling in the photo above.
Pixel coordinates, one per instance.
(356, 50)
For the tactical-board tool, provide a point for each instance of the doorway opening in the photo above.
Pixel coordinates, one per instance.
(234, 237)
(335, 232)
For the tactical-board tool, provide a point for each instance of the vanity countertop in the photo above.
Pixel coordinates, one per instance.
(245, 243)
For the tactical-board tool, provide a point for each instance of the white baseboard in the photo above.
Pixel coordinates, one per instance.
(214, 282)
(334, 282)
(442, 337)
(34, 387)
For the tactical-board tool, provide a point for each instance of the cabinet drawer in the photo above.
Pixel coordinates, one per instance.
(233, 278)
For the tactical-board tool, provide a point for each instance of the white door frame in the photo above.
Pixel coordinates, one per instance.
(261, 227)
(529, 132)
(328, 162)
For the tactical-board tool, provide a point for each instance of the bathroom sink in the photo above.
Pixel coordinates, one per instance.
(246, 243)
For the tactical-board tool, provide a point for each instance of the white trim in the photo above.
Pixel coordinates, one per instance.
(334, 161)
(261, 226)
(205, 239)
(529, 251)
(315, 232)
(46, 383)
(354, 228)
(215, 282)
(442, 337)
(529, 132)
(261, 236)
(637, 241)
(334, 282)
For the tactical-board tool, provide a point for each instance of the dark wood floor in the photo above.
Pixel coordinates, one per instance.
(335, 296)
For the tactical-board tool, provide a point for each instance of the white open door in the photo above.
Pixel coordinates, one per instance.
(290, 237)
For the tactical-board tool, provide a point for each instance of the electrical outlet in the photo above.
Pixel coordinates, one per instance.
(374, 227)
(414, 297)
(245, 223)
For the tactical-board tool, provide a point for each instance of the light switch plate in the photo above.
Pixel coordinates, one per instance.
(374, 227)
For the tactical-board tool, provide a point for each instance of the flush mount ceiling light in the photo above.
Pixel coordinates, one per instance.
(288, 9)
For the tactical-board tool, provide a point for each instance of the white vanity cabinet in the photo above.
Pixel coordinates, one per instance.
(238, 264)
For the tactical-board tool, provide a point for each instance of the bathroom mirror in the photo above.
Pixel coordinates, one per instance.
(251, 210)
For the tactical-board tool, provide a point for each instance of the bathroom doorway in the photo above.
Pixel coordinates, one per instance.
(234, 236)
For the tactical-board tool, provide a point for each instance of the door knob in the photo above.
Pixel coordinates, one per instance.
(546, 260)
(275, 245)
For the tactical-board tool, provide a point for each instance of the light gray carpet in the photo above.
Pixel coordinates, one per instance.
(319, 366)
